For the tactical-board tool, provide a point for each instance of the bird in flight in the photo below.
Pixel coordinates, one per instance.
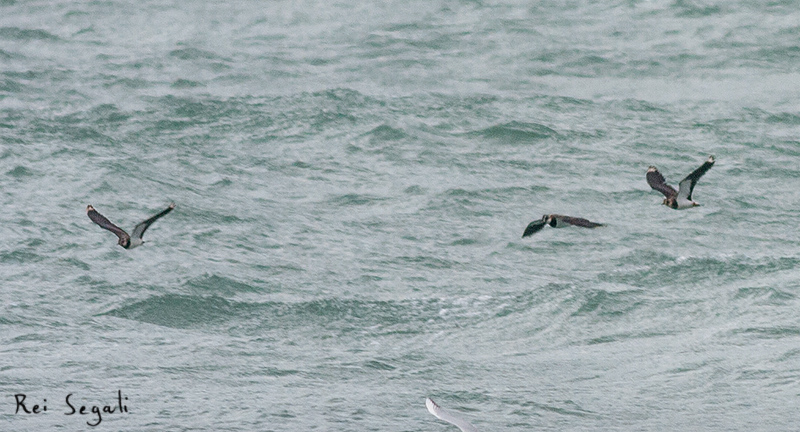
(681, 198)
(443, 414)
(557, 221)
(125, 240)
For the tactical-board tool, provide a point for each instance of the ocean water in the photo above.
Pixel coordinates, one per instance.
(352, 181)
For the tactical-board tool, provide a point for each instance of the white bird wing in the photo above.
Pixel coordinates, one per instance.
(443, 414)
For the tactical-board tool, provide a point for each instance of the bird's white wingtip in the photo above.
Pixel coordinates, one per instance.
(431, 405)
(449, 417)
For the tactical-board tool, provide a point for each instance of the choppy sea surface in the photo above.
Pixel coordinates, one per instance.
(352, 180)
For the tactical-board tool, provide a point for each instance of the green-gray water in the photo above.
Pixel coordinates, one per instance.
(352, 182)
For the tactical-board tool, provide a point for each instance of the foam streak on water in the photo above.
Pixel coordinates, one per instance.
(352, 182)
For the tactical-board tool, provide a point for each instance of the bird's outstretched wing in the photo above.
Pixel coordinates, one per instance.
(686, 186)
(534, 227)
(106, 224)
(657, 182)
(443, 414)
(139, 230)
(580, 222)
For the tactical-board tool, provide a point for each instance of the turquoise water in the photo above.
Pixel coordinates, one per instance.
(352, 182)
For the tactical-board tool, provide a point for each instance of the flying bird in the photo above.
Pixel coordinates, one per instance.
(443, 414)
(557, 221)
(126, 241)
(681, 198)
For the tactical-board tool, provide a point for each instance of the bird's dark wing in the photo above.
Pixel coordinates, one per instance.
(580, 222)
(657, 182)
(139, 230)
(106, 224)
(534, 227)
(686, 186)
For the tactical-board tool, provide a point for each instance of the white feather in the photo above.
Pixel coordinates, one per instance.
(443, 414)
